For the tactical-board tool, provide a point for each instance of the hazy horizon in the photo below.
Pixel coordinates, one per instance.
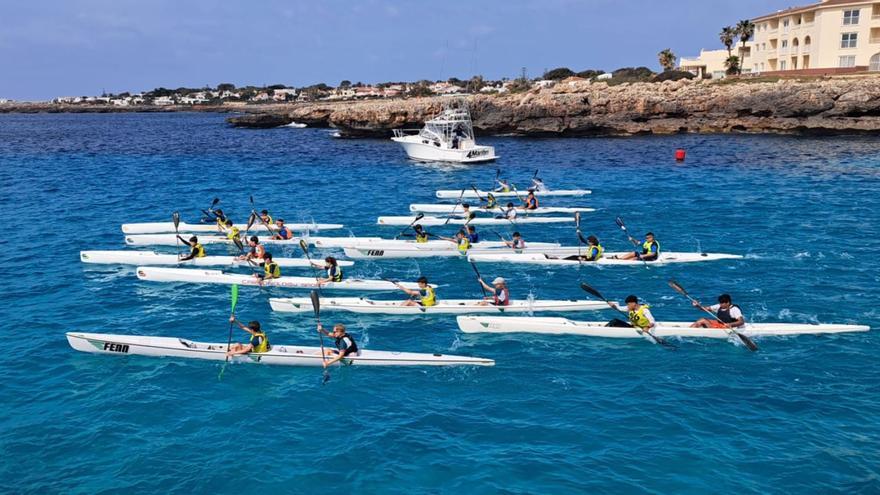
(86, 47)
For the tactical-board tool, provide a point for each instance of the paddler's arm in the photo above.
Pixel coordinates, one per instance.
(184, 240)
(233, 319)
(487, 286)
(339, 355)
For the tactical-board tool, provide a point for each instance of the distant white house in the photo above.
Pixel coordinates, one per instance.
(163, 100)
(121, 102)
(193, 99)
(604, 77)
(544, 83)
(445, 88)
(68, 99)
(5, 100)
(260, 97)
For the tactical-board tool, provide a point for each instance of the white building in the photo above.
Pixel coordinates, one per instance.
(163, 100)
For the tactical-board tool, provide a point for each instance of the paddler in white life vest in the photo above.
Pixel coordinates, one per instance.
(639, 315)
(503, 186)
(345, 344)
(196, 249)
(426, 296)
(465, 211)
(508, 213)
(283, 233)
(649, 250)
(594, 251)
(538, 185)
(500, 293)
(270, 269)
(258, 342)
(531, 201)
(334, 272)
(516, 242)
(729, 314)
(257, 252)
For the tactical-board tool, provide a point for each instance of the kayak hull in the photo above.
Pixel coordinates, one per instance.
(190, 275)
(165, 227)
(556, 259)
(433, 221)
(564, 326)
(470, 193)
(171, 240)
(282, 355)
(451, 209)
(377, 252)
(434, 245)
(152, 258)
(444, 306)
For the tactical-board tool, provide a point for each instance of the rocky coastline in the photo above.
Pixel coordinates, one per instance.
(839, 105)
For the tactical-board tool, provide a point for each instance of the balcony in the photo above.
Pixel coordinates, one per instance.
(805, 49)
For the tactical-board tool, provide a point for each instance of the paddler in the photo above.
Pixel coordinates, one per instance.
(419, 233)
(426, 295)
(594, 251)
(232, 232)
(334, 272)
(649, 250)
(266, 218)
(729, 315)
(516, 242)
(221, 219)
(503, 186)
(196, 249)
(491, 202)
(508, 213)
(500, 293)
(257, 252)
(531, 201)
(472, 235)
(461, 240)
(465, 210)
(258, 342)
(639, 315)
(270, 269)
(345, 344)
(282, 233)
(538, 185)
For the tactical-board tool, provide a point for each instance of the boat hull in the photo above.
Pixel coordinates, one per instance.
(452, 209)
(166, 227)
(376, 252)
(417, 150)
(444, 306)
(404, 220)
(470, 193)
(171, 240)
(543, 259)
(152, 258)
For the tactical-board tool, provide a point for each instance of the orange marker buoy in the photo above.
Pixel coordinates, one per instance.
(680, 155)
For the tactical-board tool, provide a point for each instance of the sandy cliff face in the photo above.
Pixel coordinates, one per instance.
(581, 108)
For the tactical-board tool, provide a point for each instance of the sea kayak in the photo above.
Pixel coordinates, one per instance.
(171, 240)
(284, 355)
(474, 221)
(444, 306)
(147, 258)
(162, 274)
(374, 252)
(482, 324)
(456, 209)
(548, 259)
(406, 244)
(163, 227)
(470, 193)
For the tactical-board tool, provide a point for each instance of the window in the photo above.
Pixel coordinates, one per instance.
(784, 43)
(785, 23)
(874, 64)
(849, 40)
(847, 61)
(782, 65)
(850, 17)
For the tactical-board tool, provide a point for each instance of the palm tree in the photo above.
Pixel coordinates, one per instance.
(728, 37)
(667, 59)
(745, 29)
(732, 64)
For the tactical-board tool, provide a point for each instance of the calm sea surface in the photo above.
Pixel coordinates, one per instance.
(557, 414)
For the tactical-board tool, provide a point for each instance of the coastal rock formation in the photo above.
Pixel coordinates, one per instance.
(582, 108)
(260, 120)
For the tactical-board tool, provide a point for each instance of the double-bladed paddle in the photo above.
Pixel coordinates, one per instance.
(479, 277)
(619, 222)
(175, 218)
(234, 302)
(305, 248)
(457, 203)
(749, 343)
(643, 331)
(316, 306)
(262, 220)
(418, 217)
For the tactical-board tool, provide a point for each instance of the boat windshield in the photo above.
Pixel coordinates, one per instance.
(452, 128)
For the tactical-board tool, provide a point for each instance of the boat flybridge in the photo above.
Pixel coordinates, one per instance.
(448, 137)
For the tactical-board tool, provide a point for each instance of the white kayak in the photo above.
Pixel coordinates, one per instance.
(391, 220)
(444, 306)
(171, 240)
(375, 252)
(406, 244)
(482, 324)
(162, 274)
(284, 355)
(470, 193)
(154, 258)
(555, 259)
(163, 227)
(456, 209)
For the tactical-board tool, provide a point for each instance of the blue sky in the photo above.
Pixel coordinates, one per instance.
(81, 47)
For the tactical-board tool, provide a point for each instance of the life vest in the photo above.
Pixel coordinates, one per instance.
(724, 314)
(199, 250)
(428, 296)
(473, 238)
(272, 269)
(518, 244)
(267, 219)
(464, 244)
(499, 301)
(284, 233)
(346, 344)
(638, 318)
(505, 188)
(531, 203)
(491, 203)
(334, 273)
(233, 233)
(596, 252)
(263, 346)
(423, 237)
(646, 247)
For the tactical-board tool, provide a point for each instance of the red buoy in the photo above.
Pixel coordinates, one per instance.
(680, 155)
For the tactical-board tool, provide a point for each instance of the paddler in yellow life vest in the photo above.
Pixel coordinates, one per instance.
(420, 234)
(649, 250)
(270, 269)
(491, 202)
(426, 295)
(196, 249)
(232, 232)
(334, 272)
(638, 315)
(594, 251)
(461, 240)
(257, 344)
(266, 218)
(221, 219)
(503, 186)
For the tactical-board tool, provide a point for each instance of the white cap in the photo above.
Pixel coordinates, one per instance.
(498, 280)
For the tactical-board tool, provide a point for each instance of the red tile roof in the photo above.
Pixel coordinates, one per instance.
(815, 6)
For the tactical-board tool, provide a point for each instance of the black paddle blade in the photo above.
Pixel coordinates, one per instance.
(477, 271)
(251, 220)
(420, 216)
(238, 244)
(316, 302)
(214, 203)
(749, 343)
(302, 244)
(620, 223)
(175, 217)
(677, 287)
(592, 291)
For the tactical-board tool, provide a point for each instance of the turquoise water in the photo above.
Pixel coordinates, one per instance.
(557, 414)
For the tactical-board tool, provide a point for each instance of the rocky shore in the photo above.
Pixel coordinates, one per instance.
(839, 105)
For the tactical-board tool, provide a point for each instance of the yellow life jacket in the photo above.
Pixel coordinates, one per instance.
(423, 237)
(199, 249)
(268, 219)
(429, 298)
(646, 247)
(638, 318)
(233, 233)
(464, 244)
(505, 188)
(491, 203)
(263, 346)
(272, 269)
(598, 250)
(337, 277)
